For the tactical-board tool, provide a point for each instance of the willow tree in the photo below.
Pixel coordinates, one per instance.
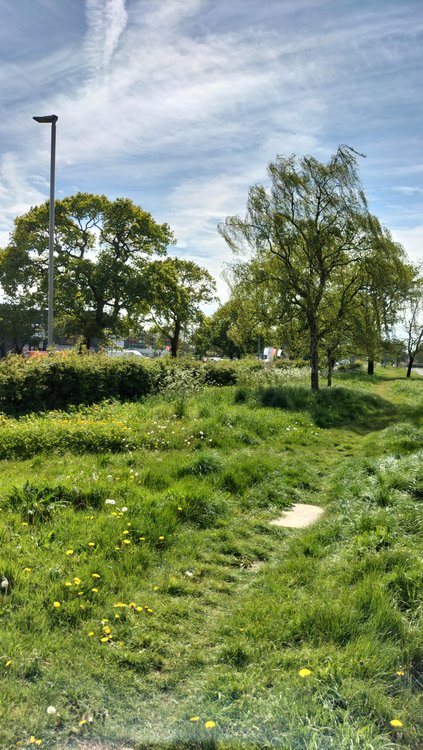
(311, 224)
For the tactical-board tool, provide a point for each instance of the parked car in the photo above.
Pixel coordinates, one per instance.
(123, 353)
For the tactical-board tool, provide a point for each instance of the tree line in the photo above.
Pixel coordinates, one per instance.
(312, 269)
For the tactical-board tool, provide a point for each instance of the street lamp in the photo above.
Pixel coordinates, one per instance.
(52, 119)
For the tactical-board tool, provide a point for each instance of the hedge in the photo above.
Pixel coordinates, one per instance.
(56, 382)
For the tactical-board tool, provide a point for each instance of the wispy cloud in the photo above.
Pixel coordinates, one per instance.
(106, 21)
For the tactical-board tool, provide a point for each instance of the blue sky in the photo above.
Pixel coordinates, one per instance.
(181, 104)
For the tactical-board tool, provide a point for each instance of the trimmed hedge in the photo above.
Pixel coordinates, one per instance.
(57, 382)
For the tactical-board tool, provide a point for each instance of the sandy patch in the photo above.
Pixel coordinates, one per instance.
(299, 516)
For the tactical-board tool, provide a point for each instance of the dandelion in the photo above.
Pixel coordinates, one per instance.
(141, 538)
(68, 583)
(76, 581)
(126, 541)
(209, 724)
(139, 609)
(120, 604)
(195, 718)
(69, 551)
(91, 544)
(8, 663)
(95, 575)
(56, 605)
(27, 570)
(82, 722)
(396, 723)
(109, 501)
(161, 538)
(400, 673)
(91, 633)
(126, 531)
(105, 639)
(155, 588)
(94, 590)
(107, 630)
(132, 605)
(304, 672)
(51, 710)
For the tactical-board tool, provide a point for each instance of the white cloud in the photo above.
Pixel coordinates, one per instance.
(411, 240)
(106, 21)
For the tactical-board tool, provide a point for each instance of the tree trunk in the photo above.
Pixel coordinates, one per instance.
(410, 365)
(314, 358)
(331, 365)
(174, 341)
(370, 367)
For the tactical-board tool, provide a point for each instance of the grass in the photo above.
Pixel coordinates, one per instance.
(180, 604)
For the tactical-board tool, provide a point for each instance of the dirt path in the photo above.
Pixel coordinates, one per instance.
(299, 516)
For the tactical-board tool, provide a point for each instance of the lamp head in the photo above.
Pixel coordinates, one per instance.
(46, 118)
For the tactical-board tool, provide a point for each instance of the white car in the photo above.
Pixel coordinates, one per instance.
(123, 353)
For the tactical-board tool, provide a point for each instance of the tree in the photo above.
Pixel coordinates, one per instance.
(413, 323)
(102, 250)
(19, 327)
(314, 229)
(176, 290)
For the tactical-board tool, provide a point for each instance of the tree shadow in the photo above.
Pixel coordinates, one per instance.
(352, 409)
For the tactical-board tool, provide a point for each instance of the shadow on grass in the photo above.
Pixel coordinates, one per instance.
(334, 407)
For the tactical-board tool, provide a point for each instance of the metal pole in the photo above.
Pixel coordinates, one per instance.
(50, 338)
(52, 119)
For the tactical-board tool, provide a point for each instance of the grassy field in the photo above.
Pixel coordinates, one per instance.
(151, 603)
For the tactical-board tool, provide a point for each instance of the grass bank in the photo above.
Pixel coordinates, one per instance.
(150, 601)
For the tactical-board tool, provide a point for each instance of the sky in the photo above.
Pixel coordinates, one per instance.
(181, 104)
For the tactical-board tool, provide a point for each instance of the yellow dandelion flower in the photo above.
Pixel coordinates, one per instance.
(179, 507)
(155, 588)
(117, 549)
(125, 531)
(107, 630)
(8, 663)
(396, 723)
(38, 742)
(105, 639)
(120, 604)
(161, 538)
(209, 724)
(91, 544)
(80, 593)
(69, 551)
(95, 590)
(27, 570)
(304, 672)
(132, 605)
(117, 617)
(95, 575)
(56, 605)
(91, 633)
(149, 610)
(82, 722)
(195, 718)
(76, 581)
(68, 583)
(141, 538)
(126, 541)
(400, 673)
(139, 609)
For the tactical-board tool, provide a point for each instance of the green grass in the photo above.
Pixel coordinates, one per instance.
(166, 510)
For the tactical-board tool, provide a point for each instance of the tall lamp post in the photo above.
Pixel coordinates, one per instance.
(52, 119)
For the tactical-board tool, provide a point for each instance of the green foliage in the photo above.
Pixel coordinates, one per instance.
(102, 249)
